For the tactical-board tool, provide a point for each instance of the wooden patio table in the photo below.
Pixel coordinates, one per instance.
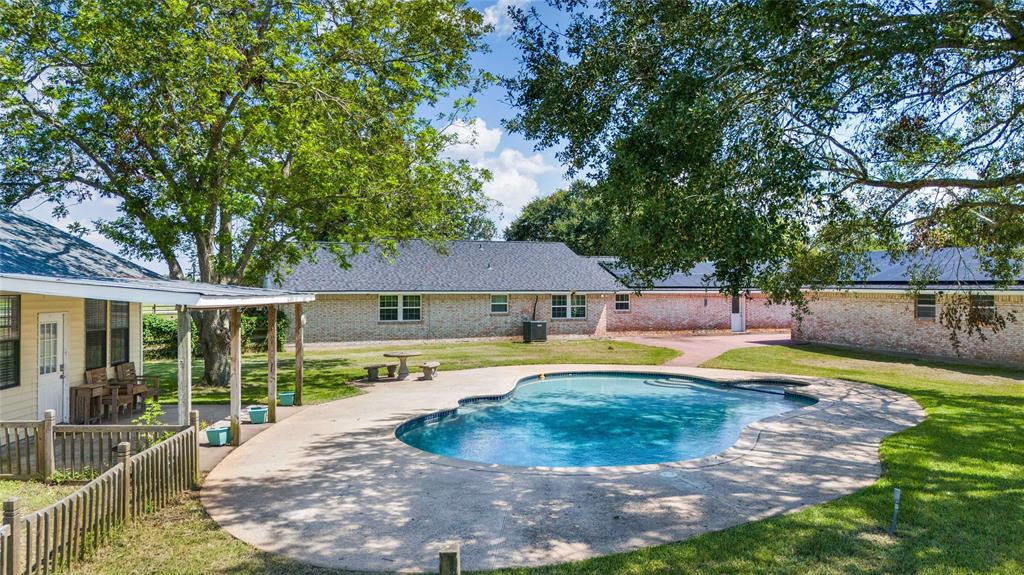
(402, 356)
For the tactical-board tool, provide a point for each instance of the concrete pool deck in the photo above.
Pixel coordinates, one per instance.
(334, 487)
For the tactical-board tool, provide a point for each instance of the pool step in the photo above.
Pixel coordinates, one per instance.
(763, 388)
(668, 382)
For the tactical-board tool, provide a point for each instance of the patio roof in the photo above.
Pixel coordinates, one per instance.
(36, 257)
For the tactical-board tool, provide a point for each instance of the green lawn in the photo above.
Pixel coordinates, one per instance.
(961, 471)
(33, 494)
(327, 373)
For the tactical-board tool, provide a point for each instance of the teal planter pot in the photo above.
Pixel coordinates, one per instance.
(286, 398)
(258, 414)
(218, 436)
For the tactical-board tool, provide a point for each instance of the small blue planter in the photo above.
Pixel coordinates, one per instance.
(218, 436)
(258, 414)
(286, 398)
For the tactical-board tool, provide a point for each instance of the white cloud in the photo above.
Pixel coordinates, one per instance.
(473, 139)
(513, 181)
(497, 15)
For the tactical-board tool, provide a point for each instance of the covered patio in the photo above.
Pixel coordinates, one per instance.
(188, 297)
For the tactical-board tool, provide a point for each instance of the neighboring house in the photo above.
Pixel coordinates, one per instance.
(881, 312)
(67, 306)
(486, 289)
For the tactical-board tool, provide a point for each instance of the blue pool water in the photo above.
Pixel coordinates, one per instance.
(598, 419)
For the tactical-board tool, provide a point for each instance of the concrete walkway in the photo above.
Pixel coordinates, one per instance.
(697, 349)
(217, 415)
(334, 487)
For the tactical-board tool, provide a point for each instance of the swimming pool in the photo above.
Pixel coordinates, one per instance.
(597, 419)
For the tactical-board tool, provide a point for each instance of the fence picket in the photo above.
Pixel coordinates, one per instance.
(66, 531)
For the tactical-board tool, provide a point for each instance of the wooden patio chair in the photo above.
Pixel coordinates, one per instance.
(142, 387)
(117, 396)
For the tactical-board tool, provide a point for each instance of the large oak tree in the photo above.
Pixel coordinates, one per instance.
(237, 133)
(782, 138)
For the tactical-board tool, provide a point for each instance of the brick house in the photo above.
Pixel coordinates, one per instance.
(486, 289)
(883, 313)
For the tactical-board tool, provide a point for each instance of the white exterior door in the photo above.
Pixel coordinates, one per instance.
(51, 364)
(739, 315)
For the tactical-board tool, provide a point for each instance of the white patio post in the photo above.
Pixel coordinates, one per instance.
(272, 363)
(236, 376)
(184, 364)
(300, 323)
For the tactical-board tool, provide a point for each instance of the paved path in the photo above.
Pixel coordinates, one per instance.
(219, 415)
(334, 487)
(699, 348)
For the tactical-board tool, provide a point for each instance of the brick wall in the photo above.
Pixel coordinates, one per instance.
(886, 322)
(339, 318)
(693, 312)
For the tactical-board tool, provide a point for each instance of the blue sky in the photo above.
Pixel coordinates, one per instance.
(519, 172)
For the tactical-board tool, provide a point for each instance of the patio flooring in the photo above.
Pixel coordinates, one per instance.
(334, 487)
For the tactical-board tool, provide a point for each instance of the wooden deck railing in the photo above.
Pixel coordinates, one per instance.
(37, 449)
(19, 442)
(53, 538)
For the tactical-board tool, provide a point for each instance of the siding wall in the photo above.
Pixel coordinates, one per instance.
(886, 322)
(20, 402)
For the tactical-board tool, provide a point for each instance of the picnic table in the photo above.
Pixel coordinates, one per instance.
(402, 356)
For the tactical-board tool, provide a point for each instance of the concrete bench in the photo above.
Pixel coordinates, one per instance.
(373, 370)
(429, 369)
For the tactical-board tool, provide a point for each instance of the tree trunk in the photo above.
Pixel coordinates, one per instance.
(214, 344)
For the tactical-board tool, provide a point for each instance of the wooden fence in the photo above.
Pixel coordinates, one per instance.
(20, 445)
(53, 538)
(36, 449)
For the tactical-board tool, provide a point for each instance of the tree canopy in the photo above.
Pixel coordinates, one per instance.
(781, 138)
(570, 216)
(237, 133)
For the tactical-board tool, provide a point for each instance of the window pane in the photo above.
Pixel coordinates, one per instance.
(9, 317)
(9, 363)
(95, 314)
(388, 301)
(411, 314)
(558, 300)
(984, 306)
(558, 311)
(622, 302)
(410, 301)
(579, 311)
(499, 304)
(95, 333)
(925, 306)
(118, 332)
(389, 314)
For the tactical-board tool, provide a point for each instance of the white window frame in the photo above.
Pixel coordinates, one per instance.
(401, 308)
(628, 301)
(573, 306)
(570, 306)
(505, 304)
(564, 306)
(934, 307)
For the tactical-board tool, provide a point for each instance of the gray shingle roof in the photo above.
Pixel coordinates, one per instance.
(468, 266)
(36, 257)
(945, 268)
(949, 268)
(696, 278)
(31, 247)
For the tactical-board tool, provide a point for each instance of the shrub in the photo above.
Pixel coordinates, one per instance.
(160, 333)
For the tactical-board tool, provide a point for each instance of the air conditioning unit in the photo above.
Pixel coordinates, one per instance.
(535, 331)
